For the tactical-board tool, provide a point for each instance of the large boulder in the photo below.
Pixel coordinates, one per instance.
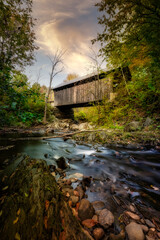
(84, 126)
(62, 163)
(133, 126)
(86, 210)
(33, 206)
(134, 231)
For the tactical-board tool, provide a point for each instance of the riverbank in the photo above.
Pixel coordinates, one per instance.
(133, 138)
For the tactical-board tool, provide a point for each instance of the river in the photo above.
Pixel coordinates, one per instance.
(133, 175)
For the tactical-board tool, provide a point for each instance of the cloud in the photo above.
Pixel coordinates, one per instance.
(68, 25)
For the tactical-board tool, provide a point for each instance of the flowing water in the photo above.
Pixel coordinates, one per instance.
(135, 174)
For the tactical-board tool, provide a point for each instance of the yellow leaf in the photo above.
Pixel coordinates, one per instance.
(5, 188)
(19, 211)
(17, 236)
(26, 195)
(1, 213)
(15, 221)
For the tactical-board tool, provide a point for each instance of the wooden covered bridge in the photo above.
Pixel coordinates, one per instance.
(85, 90)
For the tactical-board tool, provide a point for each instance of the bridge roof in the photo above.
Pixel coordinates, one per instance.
(79, 79)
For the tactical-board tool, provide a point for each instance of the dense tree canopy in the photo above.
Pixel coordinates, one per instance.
(16, 34)
(135, 23)
(131, 37)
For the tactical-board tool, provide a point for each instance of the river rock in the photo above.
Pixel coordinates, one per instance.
(106, 218)
(74, 127)
(134, 231)
(84, 126)
(95, 218)
(68, 191)
(132, 208)
(86, 210)
(89, 223)
(86, 181)
(91, 137)
(74, 200)
(112, 188)
(39, 133)
(148, 122)
(76, 176)
(132, 215)
(133, 126)
(62, 163)
(80, 191)
(98, 233)
(149, 238)
(149, 223)
(98, 205)
(119, 236)
(144, 228)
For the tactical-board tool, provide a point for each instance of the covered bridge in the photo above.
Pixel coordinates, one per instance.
(83, 91)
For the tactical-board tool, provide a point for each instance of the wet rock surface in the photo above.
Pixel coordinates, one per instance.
(86, 210)
(106, 218)
(134, 231)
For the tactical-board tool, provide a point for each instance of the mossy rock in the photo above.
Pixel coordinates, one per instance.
(33, 207)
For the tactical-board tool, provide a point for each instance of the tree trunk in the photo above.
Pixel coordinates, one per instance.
(45, 111)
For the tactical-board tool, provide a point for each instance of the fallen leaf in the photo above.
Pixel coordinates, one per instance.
(26, 194)
(155, 188)
(3, 179)
(15, 221)
(53, 174)
(62, 236)
(89, 223)
(67, 194)
(46, 222)
(1, 213)
(2, 199)
(17, 236)
(75, 213)
(70, 203)
(12, 175)
(63, 222)
(5, 188)
(19, 211)
(46, 205)
(76, 193)
(77, 206)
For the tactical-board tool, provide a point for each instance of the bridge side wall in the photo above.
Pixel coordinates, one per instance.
(83, 93)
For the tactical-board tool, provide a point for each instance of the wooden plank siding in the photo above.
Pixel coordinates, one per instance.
(82, 93)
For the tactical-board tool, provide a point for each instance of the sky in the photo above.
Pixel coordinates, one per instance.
(66, 26)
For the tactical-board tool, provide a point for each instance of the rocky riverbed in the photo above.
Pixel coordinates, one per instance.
(112, 192)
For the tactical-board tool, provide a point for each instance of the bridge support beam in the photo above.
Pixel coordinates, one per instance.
(64, 112)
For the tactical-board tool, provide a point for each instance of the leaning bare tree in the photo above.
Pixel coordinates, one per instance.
(56, 68)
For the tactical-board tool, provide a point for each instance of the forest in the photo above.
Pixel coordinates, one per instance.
(88, 173)
(130, 38)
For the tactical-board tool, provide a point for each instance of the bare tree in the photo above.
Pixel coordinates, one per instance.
(39, 75)
(56, 68)
(96, 65)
